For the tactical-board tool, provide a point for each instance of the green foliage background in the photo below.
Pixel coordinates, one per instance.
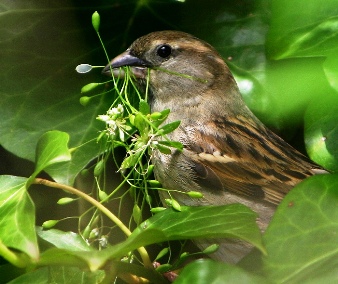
(283, 57)
(283, 54)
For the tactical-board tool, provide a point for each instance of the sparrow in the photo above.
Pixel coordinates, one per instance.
(229, 155)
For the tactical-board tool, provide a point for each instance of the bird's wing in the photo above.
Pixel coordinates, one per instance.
(246, 158)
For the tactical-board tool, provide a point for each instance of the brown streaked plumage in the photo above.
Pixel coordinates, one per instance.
(229, 155)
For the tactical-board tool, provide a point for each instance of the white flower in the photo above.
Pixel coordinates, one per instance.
(103, 117)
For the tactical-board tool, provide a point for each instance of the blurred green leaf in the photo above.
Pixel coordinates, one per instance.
(17, 220)
(331, 70)
(41, 44)
(321, 132)
(303, 30)
(301, 240)
(60, 274)
(208, 271)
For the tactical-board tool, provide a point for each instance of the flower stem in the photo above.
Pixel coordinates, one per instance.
(142, 251)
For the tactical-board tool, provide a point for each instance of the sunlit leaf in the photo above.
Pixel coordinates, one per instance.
(64, 240)
(301, 240)
(17, 220)
(212, 272)
(52, 148)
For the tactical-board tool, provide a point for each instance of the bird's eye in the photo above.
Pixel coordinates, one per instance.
(164, 51)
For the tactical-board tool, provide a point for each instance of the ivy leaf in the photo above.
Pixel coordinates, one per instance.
(17, 220)
(301, 240)
(209, 271)
(233, 221)
(51, 149)
(170, 127)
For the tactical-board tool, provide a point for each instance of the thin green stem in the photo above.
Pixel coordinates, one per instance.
(98, 205)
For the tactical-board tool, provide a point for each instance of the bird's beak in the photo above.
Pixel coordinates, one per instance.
(138, 66)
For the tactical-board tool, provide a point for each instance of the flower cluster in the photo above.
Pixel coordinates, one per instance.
(117, 127)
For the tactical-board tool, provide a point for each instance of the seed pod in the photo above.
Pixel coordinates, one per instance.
(157, 209)
(65, 200)
(195, 194)
(137, 214)
(211, 249)
(99, 168)
(96, 21)
(154, 183)
(89, 87)
(49, 224)
(102, 195)
(162, 253)
(84, 100)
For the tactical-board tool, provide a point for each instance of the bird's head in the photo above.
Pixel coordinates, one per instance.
(180, 66)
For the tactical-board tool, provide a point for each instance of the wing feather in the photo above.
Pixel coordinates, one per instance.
(246, 158)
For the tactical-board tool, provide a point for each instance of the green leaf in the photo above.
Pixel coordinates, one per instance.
(301, 240)
(63, 240)
(141, 124)
(60, 274)
(208, 271)
(51, 149)
(17, 220)
(159, 117)
(174, 144)
(331, 71)
(162, 253)
(321, 132)
(131, 160)
(47, 95)
(311, 32)
(144, 107)
(163, 149)
(170, 127)
(229, 221)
